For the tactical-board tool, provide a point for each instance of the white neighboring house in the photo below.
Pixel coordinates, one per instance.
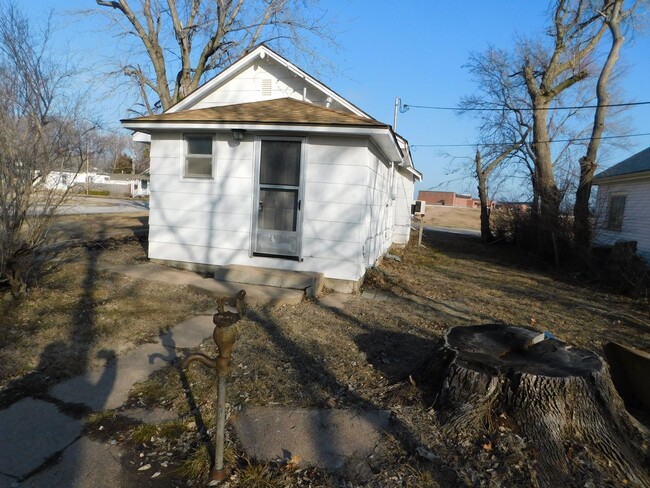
(62, 180)
(138, 183)
(265, 166)
(623, 203)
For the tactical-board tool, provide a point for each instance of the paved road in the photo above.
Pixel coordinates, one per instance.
(93, 205)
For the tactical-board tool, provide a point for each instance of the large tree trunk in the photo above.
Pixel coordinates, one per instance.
(559, 399)
(481, 176)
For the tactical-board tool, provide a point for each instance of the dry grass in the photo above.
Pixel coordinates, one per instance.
(77, 315)
(453, 217)
(365, 355)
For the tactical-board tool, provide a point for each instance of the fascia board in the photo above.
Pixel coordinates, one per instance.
(382, 136)
(641, 175)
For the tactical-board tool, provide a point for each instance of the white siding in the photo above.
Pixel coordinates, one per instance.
(636, 219)
(247, 87)
(378, 222)
(403, 198)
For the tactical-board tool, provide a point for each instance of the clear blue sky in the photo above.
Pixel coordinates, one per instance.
(412, 49)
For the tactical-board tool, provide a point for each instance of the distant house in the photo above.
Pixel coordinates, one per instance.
(63, 180)
(450, 198)
(623, 203)
(264, 166)
(137, 185)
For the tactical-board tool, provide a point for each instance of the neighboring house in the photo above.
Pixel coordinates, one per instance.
(62, 180)
(138, 184)
(623, 203)
(265, 166)
(450, 198)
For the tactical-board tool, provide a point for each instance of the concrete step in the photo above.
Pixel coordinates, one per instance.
(255, 294)
(310, 282)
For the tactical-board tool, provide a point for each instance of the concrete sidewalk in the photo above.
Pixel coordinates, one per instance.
(42, 438)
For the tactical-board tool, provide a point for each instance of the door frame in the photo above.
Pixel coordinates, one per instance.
(257, 154)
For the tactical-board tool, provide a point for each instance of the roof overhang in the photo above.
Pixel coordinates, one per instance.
(625, 178)
(383, 137)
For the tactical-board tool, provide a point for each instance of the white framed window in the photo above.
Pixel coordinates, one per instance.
(198, 156)
(615, 212)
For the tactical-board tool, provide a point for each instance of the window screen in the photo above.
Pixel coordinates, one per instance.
(615, 212)
(198, 156)
(280, 163)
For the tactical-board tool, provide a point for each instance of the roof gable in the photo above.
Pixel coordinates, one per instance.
(277, 111)
(638, 163)
(263, 75)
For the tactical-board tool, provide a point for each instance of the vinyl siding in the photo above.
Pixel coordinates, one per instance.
(636, 218)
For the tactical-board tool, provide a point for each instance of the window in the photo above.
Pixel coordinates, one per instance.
(198, 156)
(615, 212)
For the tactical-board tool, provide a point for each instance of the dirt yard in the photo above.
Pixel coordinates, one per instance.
(365, 355)
(453, 217)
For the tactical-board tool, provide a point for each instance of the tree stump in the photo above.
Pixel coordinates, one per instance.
(556, 397)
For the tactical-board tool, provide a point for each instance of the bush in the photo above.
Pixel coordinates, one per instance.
(99, 193)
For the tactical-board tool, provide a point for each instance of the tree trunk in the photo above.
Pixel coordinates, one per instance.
(481, 176)
(559, 399)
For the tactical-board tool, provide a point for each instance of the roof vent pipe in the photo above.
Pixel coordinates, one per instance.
(328, 102)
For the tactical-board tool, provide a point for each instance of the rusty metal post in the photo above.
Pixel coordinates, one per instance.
(224, 336)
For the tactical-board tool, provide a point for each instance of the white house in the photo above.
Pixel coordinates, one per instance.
(265, 166)
(623, 203)
(62, 180)
(138, 183)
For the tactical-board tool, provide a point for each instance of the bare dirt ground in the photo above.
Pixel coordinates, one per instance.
(366, 355)
(453, 217)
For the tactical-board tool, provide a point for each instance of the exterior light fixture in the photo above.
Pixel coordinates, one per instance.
(238, 134)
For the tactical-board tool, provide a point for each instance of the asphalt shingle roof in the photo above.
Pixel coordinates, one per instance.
(277, 111)
(634, 164)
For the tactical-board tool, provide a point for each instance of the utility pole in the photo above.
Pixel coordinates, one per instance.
(398, 102)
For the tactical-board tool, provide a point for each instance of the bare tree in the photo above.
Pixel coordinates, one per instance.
(184, 40)
(39, 133)
(614, 17)
(543, 100)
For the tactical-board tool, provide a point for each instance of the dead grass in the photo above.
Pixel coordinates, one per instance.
(453, 217)
(363, 356)
(366, 356)
(77, 315)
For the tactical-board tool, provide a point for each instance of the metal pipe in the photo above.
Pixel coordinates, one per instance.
(218, 473)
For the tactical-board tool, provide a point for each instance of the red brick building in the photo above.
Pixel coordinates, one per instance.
(450, 198)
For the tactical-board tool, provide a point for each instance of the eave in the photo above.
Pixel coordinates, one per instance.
(383, 137)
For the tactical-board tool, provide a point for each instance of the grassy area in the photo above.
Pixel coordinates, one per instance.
(454, 217)
(77, 315)
(364, 356)
(367, 356)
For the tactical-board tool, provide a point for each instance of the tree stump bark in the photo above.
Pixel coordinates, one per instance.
(556, 397)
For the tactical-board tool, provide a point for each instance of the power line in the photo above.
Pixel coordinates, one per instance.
(405, 107)
(414, 146)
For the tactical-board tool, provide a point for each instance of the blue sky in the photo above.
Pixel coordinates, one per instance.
(412, 49)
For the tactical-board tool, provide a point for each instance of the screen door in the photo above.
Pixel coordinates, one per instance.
(278, 198)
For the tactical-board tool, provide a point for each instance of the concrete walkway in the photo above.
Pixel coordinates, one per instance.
(43, 442)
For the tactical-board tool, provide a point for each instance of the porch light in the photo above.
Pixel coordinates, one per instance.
(238, 134)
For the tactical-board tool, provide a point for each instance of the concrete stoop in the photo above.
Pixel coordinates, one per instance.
(311, 283)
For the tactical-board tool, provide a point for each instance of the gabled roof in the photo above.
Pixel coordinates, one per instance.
(260, 52)
(277, 111)
(631, 167)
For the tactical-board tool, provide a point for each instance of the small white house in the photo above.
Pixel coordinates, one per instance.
(62, 180)
(265, 166)
(623, 203)
(138, 183)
